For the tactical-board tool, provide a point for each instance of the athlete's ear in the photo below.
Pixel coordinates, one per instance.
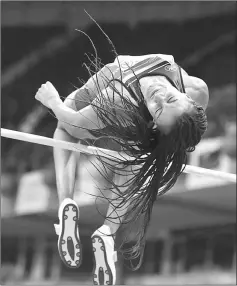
(151, 124)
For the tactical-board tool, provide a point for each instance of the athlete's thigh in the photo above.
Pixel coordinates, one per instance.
(122, 177)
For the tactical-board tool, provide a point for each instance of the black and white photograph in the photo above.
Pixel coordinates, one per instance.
(118, 143)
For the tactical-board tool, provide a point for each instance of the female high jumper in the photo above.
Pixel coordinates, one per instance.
(152, 110)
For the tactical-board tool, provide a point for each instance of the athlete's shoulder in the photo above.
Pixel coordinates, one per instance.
(197, 89)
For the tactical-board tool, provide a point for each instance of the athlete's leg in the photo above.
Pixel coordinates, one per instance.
(66, 162)
(69, 245)
(104, 237)
(65, 166)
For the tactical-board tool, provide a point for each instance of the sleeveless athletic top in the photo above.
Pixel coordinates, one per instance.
(134, 68)
(129, 69)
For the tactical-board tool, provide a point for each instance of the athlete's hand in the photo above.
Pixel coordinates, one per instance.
(48, 95)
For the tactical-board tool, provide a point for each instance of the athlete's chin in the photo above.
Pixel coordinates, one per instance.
(164, 127)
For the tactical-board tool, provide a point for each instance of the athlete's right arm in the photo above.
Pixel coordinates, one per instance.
(79, 123)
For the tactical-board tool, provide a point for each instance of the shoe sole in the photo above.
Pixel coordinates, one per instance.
(102, 274)
(69, 245)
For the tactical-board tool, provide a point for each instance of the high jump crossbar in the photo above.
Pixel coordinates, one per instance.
(36, 139)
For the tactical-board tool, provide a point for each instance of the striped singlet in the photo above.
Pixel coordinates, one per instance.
(134, 68)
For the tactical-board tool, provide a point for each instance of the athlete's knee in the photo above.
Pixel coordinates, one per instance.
(59, 127)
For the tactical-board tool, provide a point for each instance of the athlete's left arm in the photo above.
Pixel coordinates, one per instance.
(196, 88)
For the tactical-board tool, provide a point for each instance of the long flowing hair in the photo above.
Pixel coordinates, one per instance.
(154, 161)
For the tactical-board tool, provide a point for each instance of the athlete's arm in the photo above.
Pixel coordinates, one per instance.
(71, 119)
(74, 106)
(74, 121)
(197, 89)
(77, 123)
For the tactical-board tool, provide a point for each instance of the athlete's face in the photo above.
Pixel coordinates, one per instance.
(164, 102)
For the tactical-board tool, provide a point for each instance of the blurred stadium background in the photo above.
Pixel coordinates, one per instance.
(191, 238)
